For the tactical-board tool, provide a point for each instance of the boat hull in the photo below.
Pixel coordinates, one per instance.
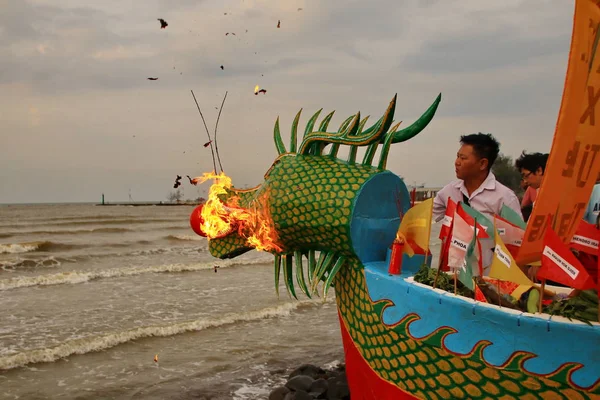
(406, 340)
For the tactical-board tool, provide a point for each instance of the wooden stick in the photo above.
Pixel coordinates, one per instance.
(216, 125)
(207, 132)
(455, 273)
(437, 274)
(542, 295)
(498, 291)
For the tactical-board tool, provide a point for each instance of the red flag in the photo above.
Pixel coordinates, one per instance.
(586, 238)
(447, 221)
(481, 231)
(479, 296)
(462, 235)
(560, 265)
(447, 238)
(511, 235)
(598, 288)
(444, 254)
(590, 263)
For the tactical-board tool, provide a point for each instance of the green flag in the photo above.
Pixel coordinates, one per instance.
(511, 216)
(481, 219)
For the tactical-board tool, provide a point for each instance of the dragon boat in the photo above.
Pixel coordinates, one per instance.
(332, 221)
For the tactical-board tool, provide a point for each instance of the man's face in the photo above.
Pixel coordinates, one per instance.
(468, 164)
(533, 179)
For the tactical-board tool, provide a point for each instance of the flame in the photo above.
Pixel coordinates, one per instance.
(219, 219)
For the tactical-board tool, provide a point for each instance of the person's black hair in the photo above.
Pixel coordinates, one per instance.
(526, 211)
(484, 146)
(532, 161)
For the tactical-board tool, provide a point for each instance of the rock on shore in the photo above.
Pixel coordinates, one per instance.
(308, 382)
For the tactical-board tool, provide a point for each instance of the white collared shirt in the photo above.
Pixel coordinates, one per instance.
(487, 199)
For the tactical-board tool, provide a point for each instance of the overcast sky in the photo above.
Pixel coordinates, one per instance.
(78, 117)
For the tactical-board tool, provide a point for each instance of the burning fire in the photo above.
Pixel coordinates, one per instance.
(219, 219)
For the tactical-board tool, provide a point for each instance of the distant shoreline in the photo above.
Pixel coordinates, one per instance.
(89, 203)
(147, 204)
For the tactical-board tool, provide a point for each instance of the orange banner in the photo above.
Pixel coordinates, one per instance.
(574, 163)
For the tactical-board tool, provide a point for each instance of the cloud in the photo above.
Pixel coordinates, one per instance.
(77, 69)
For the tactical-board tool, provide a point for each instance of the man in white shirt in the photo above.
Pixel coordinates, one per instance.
(476, 185)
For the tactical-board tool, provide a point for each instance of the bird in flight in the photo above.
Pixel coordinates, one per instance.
(152, 79)
(177, 182)
(163, 23)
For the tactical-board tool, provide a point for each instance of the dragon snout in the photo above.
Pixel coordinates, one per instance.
(197, 221)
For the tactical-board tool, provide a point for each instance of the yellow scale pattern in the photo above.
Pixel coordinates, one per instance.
(426, 371)
(311, 198)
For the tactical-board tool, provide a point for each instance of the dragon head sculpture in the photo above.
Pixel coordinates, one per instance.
(311, 201)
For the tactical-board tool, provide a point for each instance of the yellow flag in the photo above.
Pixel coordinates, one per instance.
(505, 268)
(416, 226)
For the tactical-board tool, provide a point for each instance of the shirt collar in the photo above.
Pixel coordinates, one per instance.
(489, 183)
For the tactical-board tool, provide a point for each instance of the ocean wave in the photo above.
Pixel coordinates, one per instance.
(72, 277)
(82, 218)
(186, 237)
(102, 342)
(115, 221)
(176, 250)
(46, 262)
(72, 231)
(202, 247)
(27, 247)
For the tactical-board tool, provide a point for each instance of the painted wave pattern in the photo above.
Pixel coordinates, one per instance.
(396, 308)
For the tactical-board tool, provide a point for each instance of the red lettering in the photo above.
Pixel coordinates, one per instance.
(581, 180)
(571, 160)
(578, 207)
(565, 222)
(588, 56)
(538, 228)
(590, 110)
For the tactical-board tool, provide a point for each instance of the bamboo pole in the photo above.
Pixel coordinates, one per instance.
(541, 296)
(216, 126)
(437, 274)
(207, 133)
(498, 292)
(455, 273)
